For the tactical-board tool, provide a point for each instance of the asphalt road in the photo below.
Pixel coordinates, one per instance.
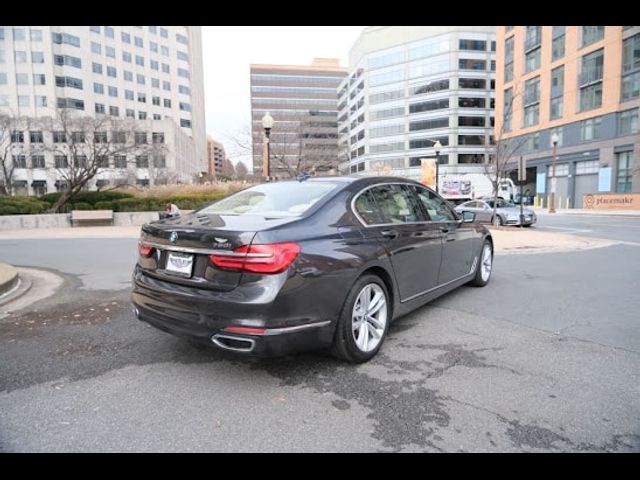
(545, 358)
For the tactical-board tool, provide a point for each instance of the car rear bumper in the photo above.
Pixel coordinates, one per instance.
(187, 313)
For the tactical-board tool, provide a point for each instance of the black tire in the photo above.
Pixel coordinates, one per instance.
(478, 280)
(344, 345)
(498, 222)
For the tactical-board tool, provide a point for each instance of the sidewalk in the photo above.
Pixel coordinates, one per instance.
(585, 211)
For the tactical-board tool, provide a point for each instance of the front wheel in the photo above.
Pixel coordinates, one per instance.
(497, 220)
(484, 266)
(364, 321)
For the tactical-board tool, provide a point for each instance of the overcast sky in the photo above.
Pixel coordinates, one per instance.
(228, 51)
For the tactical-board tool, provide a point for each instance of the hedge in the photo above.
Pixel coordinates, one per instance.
(116, 201)
(87, 197)
(22, 206)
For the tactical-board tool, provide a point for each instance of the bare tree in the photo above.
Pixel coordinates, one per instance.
(504, 151)
(241, 171)
(83, 145)
(12, 130)
(228, 170)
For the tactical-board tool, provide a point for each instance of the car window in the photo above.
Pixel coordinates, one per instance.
(436, 207)
(365, 207)
(471, 205)
(391, 203)
(282, 199)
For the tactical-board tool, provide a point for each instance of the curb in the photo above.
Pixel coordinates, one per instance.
(8, 278)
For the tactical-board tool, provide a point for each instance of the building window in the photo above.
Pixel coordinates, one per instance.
(119, 137)
(532, 60)
(140, 79)
(113, 91)
(628, 123)
(139, 60)
(155, 83)
(142, 161)
(480, 45)
(110, 52)
(37, 57)
(120, 161)
(95, 29)
(128, 95)
(108, 32)
(140, 138)
(167, 103)
(37, 161)
(22, 79)
(590, 129)
(591, 34)
(142, 97)
(96, 48)
(164, 33)
(557, 92)
(467, 102)
(67, 60)
(533, 37)
(19, 161)
(181, 39)
(100, 137)
(59, 137)
(36, 137)
(472, 64)
(18, 34)
(41, 101)
(508, 109)
(591, 80)
(154, 65)
(114, 111)
(112, 72)
(23, 100)
(20, 56)
(157, 116)
(153, 46)
(61, 161)
(96, 68)
(631, 68)
(165, 68)
(624, 172)
(77, 137)
(100, 108)
(155, 101)
(138, 42)
(185, 123)
(471, 140)
(65, 38)
(130, 113)
(98, 88)
(166, 85)
(157, 137)
(557, 48)
(126, 57)
(36, 35)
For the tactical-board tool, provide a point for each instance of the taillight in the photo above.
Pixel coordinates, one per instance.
(144, 250)
(270, 258)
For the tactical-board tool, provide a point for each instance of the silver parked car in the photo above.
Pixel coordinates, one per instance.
(506, 213)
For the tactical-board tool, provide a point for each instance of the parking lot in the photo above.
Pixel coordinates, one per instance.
(545, 358)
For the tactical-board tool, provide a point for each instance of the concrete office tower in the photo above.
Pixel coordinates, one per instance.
(409, 87)
(581, 83)
(302, 101)
(152, 74)
(216, 155)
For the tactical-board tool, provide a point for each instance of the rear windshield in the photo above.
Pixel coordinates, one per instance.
(285, 199)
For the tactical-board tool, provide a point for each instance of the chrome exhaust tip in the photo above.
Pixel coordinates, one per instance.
(233, 343)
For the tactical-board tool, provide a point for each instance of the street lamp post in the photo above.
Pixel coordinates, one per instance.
(267, 124)
(437, 147)
(552, 203)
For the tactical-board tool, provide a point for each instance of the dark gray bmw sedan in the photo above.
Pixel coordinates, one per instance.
(298, 265)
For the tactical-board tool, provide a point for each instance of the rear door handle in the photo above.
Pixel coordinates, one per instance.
(390, 234)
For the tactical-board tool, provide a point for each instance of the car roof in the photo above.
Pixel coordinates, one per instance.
(369, 180)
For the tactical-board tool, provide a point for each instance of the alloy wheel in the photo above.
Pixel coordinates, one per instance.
(369, 317)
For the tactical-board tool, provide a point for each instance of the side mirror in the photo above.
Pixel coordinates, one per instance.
(468, 217)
